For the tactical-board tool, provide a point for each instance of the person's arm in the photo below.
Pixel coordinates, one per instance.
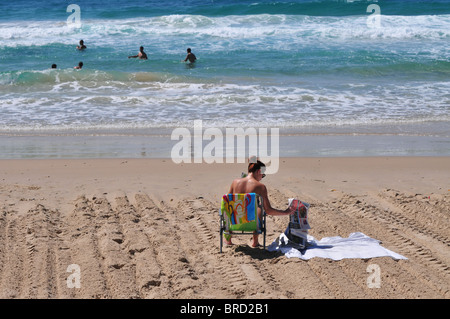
(268, 207)
(187, 56)
(133, 56)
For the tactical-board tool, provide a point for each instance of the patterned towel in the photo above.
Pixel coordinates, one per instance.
(240, 211)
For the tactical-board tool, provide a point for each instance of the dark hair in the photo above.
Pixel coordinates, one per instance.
(253, 167)
(53, 66)
(141, 48)
(80, 64)
(189, 50)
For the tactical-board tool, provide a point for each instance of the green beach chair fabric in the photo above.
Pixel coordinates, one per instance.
(239, 215)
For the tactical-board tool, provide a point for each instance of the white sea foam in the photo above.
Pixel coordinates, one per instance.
(169, 104)
(259, 28)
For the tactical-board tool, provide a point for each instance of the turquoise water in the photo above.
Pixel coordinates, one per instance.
(323, 67)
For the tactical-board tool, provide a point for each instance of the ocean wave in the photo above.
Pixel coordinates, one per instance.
(120, 9)
(89, 78)
(275, 27)
(168, 104)
(353, 62)
(434, 126)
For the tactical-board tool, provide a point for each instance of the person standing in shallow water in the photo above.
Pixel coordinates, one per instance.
(141, 55)
(190, 56)
(81, 46)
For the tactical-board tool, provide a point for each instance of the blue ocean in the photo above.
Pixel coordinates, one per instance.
(304, 66)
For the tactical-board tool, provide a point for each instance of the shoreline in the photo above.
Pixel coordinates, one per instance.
(160, 146)
(404, 127)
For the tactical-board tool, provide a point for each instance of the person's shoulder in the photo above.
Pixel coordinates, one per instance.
(237, 180)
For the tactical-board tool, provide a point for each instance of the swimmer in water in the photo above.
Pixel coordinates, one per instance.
(190, 56)
(81, 46)
(141, 55)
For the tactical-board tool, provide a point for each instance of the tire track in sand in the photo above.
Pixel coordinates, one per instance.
(29, 254)
(13, 272)
(178, 278)
(3, 227)
(119, 270)
(136, 244)
(40, 241)
(419, 213)
(81, 233)
(426, 275)
(331, 219)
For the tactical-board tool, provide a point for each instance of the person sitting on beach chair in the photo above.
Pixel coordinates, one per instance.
(252, 184)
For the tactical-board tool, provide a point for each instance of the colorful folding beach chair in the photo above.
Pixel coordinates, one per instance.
(239, 216)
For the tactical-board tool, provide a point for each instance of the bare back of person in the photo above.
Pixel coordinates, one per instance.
(142, 55)
(247, 185)
(252, 184)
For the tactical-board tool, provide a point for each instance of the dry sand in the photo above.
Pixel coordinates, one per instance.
(149, 229)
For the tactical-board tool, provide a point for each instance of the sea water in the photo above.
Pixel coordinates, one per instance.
(308, 67)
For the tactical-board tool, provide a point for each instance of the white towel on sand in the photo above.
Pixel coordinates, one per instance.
(357, 245)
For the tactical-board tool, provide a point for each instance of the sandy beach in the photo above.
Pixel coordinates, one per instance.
(148, 228)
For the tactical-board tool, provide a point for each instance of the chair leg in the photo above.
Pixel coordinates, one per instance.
(221, 237)
(264, 240)
(265, 231)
